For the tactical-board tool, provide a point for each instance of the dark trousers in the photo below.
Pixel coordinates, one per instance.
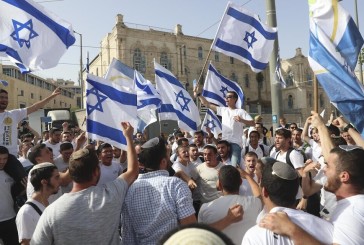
(8, 232)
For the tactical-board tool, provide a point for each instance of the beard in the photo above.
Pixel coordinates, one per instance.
(332, 185)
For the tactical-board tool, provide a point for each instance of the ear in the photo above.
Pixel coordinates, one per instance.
(265, 192)
(344, 177)
(44, 182)
(164, 164)
(218, 185)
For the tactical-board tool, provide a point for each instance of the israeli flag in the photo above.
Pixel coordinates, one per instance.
(241, 35)
(212, 122)
(4, 83)
(216, 87)
(120, 73)
(107, 105)
(278, 72)
(331, 64)
(177, 103)
(31, 36)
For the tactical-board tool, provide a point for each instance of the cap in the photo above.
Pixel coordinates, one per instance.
(284, 171)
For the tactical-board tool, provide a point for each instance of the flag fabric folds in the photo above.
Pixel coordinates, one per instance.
(241, 35)
(216, 86)
(278, 72)
(212, 122)
(333, 55)
(107, 105)
(177, 104)
(31, 36)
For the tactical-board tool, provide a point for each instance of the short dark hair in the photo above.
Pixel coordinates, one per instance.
(180, 141)
(235, 95)
(229, 178)
(152, 156)
(37, 175)
(82, 165)
(284, 132)
(53, 130)
(35, 152)
(4, 150)
(351, 162)
(298, 130)
(199, 132)
(192, 145)
(281, 192)
(251, 154)
(333, 130)
(102, 146)
(65, 146)
(210, 147)
(223, 142)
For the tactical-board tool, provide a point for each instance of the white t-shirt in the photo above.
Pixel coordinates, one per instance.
(196, 162)
(232, 131)
(217, 209)
(61, 164)
(316, 227)
(189, 169)
(348, 220)
(109, 173)
(316, 150)
(6, 201)
(90, 216)
(9, 129)
(25, 162)
(206, 182)
(27, 219)
(245, 189)
(55, 148)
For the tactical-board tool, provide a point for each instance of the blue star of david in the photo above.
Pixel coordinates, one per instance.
(252, 39)
(224, 90)
(21, 29)
(212, 123)
(100, 98)
(184, 102)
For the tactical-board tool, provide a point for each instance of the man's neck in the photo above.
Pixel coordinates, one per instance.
(42, 197)
(298, 144)
(254, 146)
(81, 186)
(226, 193)
(283, 150)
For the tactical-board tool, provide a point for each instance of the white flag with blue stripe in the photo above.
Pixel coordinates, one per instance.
(108, 104)
(212, 122)
(120, 73)
(241, 35)
(31, 36)
(177, 103)
(216, 87)
(333, 53)
(278, 72)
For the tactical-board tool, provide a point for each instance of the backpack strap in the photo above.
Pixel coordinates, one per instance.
(262, 148)
(35, 207)
(246, 149)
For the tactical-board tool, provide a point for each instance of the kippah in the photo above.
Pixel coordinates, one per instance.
(284, 171)
(268, 160)
(192, 236)
(43, 165)
(79, 154)
(150, 143)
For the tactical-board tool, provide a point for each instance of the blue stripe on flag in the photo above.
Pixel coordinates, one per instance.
(63, 33)
(105, 131)
(169, 78)
(147, 102)
(215, 118)
(11, 52)
(145, 88)
(251, 21)
(182, 117)
(114, 94)
(241, 52)
(214, 96)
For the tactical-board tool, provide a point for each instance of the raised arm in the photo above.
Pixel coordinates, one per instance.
(43, 102)
(340, 123)
(203, 100)
(305, 136)
(133, 169)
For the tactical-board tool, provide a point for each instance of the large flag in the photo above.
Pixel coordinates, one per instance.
(212, 122)
(278, 72)
(31, 36)
(216, 86)
(107, 105)
(147, 97)
(334, 45)
(177, 104)
(241, 35)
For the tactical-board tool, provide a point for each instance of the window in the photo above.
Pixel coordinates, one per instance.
(78, 102)
(310, 100)
(54, 102)
(184, 51)
(164, 61)
(246, 80)
(290, 101)
(322, 100)
(40, 97)
(231, 60)
(97, 71)
(200, 53)
(31, 95)
(217, 57)
(309, 78)
(138, 61)
(233, 77)
(21, 93)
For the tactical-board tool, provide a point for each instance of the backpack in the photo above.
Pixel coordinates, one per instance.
(261, 147)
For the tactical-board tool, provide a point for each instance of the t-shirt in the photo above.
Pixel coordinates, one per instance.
(316, 227)
(55, 148)
(232, 131)
(109, 173)
(90, 216)
(27, 219)
(348, 220)
(245, 189)
(61, 164)
(189, 169)
(6, 201)
(206, 182)
(217, 209)
(316, 150)
(25, 162)
(9, 128)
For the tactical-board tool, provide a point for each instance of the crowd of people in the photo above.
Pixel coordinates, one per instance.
(250, 185)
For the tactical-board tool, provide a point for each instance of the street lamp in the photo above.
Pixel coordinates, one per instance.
(360, 53)
(81, 65)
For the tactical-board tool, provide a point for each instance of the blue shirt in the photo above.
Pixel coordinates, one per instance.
(153, 206)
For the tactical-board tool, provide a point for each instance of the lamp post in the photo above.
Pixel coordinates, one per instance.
(360, 53)
(81, 65)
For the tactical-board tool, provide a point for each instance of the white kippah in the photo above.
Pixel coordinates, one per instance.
(43, 165)
(192, 236)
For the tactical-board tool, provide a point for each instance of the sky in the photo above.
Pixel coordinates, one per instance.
(94, 19)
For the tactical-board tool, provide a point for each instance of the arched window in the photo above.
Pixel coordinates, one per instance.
(138, 61)
(246, 80)
(322, 100)
(309, 78)
(290, 102)
(164, 61)
(200, 53)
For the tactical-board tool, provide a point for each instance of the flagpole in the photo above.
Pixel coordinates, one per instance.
(315, 94)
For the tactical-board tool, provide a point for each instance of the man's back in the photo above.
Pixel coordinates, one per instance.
(90, 216)
(153, 206)
(319, 228)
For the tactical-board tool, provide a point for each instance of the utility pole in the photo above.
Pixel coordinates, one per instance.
(360, 53)
(276, 89)
(81, 65)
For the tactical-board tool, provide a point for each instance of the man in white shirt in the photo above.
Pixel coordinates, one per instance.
(194, 155)
(233, 121)
(23, 157)
(223, 148)
(279, 187)
(45, 179)
(254, 146)
(54, 141)
(210, 213)
(109, 170)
